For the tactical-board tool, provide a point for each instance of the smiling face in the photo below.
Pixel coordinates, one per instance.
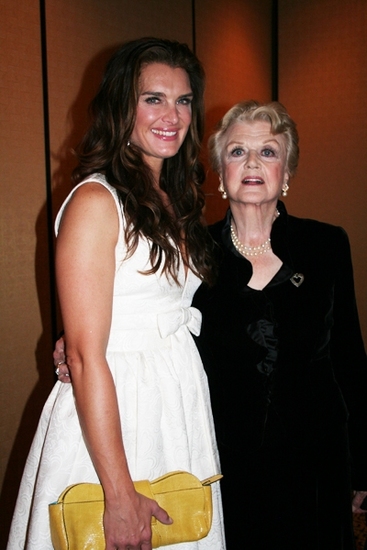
(253, 163)
(163, 113)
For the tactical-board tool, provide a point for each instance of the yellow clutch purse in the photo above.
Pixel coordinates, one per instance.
(76, 519)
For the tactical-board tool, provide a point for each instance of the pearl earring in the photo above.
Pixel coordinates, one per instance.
(221, 190)
(128, 143)
(285, 190)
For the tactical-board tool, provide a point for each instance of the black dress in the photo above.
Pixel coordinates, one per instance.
(288, 377)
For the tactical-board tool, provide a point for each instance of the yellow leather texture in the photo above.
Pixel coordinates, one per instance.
(76, 519)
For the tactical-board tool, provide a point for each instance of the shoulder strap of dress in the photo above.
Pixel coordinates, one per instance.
(95, 178)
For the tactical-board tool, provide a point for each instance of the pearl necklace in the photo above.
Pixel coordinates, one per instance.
(249, 250)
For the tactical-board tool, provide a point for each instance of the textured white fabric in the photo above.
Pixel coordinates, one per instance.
(162, 393)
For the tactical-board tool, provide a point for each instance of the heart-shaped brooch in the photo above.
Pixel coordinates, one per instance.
(297, 279)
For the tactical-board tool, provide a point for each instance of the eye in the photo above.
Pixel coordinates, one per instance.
(268, 152)
(185, 100)
(152, 100)
(236, 152)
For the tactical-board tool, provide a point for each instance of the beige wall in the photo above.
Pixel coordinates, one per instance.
(322, 82)
(25, 375)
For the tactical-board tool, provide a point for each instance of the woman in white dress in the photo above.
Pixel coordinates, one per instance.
(131, 251)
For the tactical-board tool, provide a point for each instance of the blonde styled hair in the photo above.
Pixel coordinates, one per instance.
(250, 111)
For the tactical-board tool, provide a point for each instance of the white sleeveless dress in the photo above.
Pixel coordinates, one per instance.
(162, 393)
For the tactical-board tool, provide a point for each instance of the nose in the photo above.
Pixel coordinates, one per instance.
(252, 160)
(170, 115)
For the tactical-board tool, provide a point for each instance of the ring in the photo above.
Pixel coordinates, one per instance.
(57, 370)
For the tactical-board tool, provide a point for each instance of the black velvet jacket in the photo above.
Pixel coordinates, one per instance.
(287, 363)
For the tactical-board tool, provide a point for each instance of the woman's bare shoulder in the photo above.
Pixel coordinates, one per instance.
(93, 206)
(94, 192)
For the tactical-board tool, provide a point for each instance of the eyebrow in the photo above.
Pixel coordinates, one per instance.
(239, 142)
(162, 94)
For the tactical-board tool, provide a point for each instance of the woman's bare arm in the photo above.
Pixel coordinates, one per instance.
(85, 267)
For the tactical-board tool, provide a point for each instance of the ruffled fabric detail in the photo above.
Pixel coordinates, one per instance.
(262, 332)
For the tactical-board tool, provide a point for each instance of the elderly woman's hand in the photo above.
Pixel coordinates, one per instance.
(61, 368)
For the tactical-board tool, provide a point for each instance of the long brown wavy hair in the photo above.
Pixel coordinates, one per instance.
(105, 149)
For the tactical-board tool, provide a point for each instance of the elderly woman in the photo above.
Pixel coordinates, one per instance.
(282, 347)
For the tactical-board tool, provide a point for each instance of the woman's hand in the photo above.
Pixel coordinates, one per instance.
(61, 368)
(358, 498)
(129, 527)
